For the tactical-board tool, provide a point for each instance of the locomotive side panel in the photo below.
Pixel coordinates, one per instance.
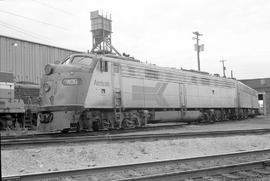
(247, 96)
(157, 94)
(255, 103)
(245, 100)
(143, 88)
(100, 94)
(132, 93)
(200, 96)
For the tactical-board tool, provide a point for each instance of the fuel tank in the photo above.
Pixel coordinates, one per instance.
(176, 116)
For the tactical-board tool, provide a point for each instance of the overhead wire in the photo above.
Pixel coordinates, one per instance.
(31, 19)
(29, 33)
(23, 31)
(52, 7)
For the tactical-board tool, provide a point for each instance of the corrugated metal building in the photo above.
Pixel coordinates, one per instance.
(27, 59)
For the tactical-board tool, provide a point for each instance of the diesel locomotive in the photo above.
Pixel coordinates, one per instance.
(18, 102)
(87, 91)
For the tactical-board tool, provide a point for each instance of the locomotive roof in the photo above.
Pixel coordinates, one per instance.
(159, 68)
(134, 62)
(131, 62)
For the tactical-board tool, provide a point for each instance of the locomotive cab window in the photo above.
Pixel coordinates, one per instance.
(82, 60)
(66, 61)
(103, 66)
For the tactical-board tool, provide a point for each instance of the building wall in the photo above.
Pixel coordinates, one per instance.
(267, 103)
(263, 86)
(26, 60)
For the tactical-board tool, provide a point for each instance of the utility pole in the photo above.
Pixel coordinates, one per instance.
(198, 47)
(223, 67)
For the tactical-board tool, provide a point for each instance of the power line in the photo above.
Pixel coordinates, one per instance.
(58, 9)
(18, 29)
(23, 30)
(31, 19)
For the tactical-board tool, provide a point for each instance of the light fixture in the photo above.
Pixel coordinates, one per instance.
(15, 44)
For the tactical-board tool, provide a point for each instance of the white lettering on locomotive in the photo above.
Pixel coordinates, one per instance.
(101, 83)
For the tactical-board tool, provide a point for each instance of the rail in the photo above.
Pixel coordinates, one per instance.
(229, 172)
(106, 173)
(130, 137)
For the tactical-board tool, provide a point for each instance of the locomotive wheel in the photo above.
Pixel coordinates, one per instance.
(126, 123)
(137, 122)
(206, 118)
(106, 124)
(224, 115)
(78, 129)
(66, 130)
(246, 114)
(96, 125)
(214, 117)
(219, 116)
(143, 121)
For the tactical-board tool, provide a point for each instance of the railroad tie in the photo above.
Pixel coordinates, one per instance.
(209, 178)
(231, 176)
(261, 171)
(247, 174)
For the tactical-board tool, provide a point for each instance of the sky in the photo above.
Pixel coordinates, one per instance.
(156, 31)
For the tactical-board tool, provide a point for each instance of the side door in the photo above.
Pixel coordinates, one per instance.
(116, 84)
(182, 96)
(182, 99)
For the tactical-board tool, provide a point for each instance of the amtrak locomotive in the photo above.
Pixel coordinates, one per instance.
(87, 91)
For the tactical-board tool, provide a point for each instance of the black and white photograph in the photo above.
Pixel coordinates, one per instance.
(125, 90)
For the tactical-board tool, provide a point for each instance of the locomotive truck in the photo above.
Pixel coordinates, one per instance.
(87, 91)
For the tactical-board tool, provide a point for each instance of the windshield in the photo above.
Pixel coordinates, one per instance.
(78, 60)
(66, 61)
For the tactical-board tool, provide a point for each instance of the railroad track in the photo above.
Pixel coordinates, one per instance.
(94, 133)
(128, 137)
(150, 127)
(240, 165)
(243, 171)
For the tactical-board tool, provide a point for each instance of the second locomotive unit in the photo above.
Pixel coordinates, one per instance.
(87, 91)
(18, 103)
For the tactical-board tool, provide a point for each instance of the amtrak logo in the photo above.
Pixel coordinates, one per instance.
(101, 83)
(142, 93)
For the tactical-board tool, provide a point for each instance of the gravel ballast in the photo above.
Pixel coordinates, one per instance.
(44, 158)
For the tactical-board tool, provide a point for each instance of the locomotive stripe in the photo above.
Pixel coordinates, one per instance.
(181, 80)
(143, 93)
(175, 77)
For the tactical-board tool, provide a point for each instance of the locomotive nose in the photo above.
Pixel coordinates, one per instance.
(64, 86)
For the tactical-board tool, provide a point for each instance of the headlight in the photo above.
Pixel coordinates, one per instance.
(73, 81)
(46, 87)
(48, 69)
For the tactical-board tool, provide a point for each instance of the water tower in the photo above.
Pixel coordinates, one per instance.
(101, 28)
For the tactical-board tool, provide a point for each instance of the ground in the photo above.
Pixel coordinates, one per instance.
(53, 157)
